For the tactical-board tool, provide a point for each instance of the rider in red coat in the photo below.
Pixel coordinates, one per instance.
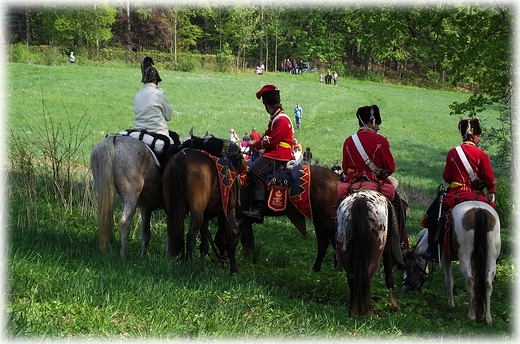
(277, 145)
(455, 172)
(377, 149)
(376, 146)
(461, 184)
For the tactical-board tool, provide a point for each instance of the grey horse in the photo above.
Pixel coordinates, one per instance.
(125, 165)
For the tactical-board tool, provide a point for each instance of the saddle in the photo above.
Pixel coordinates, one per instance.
(158, 143)
(291, 182)
(345, 189)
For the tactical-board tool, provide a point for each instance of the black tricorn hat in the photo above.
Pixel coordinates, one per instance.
(148, 71)
(469, 127)
(270, 94)
(366, 114)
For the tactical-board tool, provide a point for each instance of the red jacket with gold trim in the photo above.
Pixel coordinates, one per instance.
(457, 176)
(280, 130)
(377, 148)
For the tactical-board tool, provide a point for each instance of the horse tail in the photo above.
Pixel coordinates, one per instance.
(101, 163)
(177, 205)
(360, 254)
(479, 260)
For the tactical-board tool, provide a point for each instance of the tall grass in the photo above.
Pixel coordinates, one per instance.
(60, 286)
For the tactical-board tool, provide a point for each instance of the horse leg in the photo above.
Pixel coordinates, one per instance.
(325, 235)
(146, 215)
(229, 225)
(389, 278)
(195, 224)
(448, 278)
(467, 272)
(246, 236)
(129, 209)
(204, 245)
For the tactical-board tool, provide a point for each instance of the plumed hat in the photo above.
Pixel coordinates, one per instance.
(366, 114)
(270, 95)
(469, 127)
(148, 70)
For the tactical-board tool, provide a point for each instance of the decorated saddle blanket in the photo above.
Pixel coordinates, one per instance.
(157, 142)
(227, 174)
(296, 181)
(345, 189)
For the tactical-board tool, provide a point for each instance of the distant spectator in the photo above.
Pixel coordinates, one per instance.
(335, 78)
(297, 154)
(307, 156)
(244, 146)
(321, 78)
(233, 137)
(297, 145)
(298, 114)
(317, 162)
(72, 59)
(337, 169)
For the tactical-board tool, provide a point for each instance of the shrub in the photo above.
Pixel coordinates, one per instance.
(187, 63)
(505, 203)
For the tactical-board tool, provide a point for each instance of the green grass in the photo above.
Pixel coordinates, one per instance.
(60, 286)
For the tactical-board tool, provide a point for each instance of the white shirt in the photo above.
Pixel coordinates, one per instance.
(152, 110)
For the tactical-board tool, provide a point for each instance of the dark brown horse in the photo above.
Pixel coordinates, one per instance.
(191, 184)
(323, 198)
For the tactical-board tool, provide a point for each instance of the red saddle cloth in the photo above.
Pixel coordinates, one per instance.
(345, 189)
(298, 184)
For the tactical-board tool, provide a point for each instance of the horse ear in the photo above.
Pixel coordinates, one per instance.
(207, 134)
(191, 132)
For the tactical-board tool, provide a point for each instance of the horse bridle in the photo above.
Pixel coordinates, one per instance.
(423, 274)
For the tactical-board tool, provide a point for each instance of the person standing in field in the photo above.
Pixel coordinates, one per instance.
(151, 108)
(298, 114)
(277, 143)
(465, 182)
(72, 59)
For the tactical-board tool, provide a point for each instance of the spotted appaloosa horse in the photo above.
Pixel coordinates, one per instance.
(366, 230)
(476, 243)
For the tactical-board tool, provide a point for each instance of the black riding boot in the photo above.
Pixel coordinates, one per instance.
(255, 213)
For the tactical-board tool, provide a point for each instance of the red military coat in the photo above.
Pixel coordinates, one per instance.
(377, 148)
(458, 177)
(280, 130)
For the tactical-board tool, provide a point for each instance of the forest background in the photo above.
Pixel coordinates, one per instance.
(466, 47)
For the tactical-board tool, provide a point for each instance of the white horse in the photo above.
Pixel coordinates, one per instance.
(475, 242)
(367, 230)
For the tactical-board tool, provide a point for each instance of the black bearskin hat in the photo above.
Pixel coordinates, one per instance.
(366, 114)
(148, 70)
(469, 127)
(270, 95)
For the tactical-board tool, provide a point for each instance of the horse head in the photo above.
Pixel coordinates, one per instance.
(415, 267)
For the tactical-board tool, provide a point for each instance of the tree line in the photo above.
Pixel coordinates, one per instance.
(466, 45)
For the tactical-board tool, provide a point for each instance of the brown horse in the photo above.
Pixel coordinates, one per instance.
(191, 184)
(323, 198)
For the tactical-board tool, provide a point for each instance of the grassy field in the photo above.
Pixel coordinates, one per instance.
(60, 286)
